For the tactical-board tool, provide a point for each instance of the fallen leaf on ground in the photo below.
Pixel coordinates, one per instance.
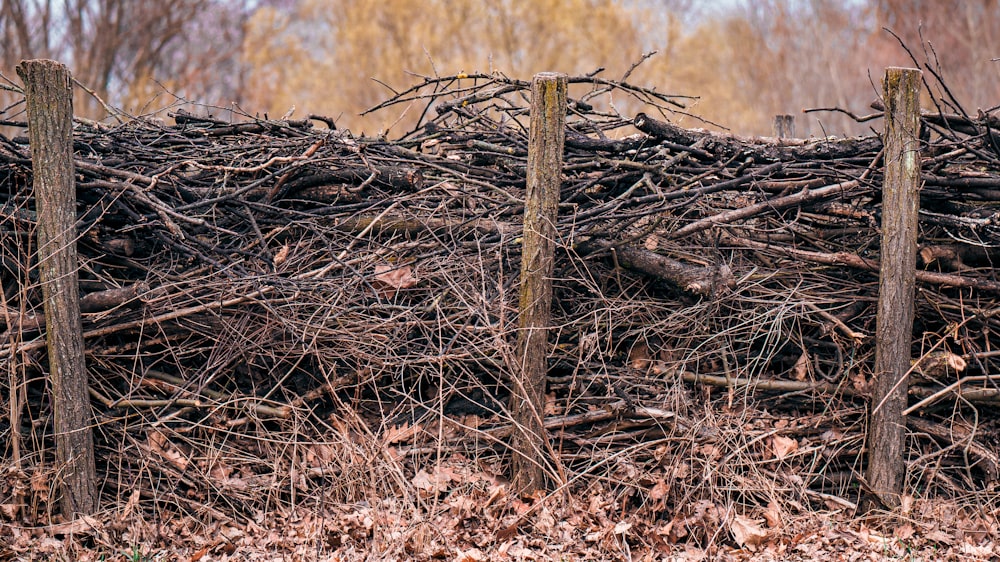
(659, 490)
(552, 407)
(160, 444)
(622, 527)
(401, 433)
(904, 532)
(395, 277)
(984, 551)
(436, 482)
(783, 446)
(638, 357)
(772, 515)
(10, 510)
(85, 525)
(746, 531)
(281, 256)
(905, 504)
(801, 369)
(474, 555)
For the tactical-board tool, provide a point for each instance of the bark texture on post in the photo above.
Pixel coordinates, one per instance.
(894, 331)
(529, 442)
(49, 96)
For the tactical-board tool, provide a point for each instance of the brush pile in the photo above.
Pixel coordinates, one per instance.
(279, 313)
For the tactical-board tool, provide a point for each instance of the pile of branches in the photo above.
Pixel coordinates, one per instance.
(277, 312)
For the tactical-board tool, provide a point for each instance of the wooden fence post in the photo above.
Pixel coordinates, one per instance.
(894, 330)
(784, 126)
(546, 135)
(49, 96)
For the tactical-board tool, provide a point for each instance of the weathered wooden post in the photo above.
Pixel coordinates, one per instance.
(894, 330)
(49, 96)
(546, 136)
(784, 126)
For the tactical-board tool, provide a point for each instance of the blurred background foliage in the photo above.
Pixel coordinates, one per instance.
(747, 60)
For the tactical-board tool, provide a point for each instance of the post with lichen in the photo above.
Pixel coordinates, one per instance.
(894, 330)
(529, 442)
(49, 98)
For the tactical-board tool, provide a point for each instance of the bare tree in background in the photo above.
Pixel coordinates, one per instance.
(749, 59)
(779, 56)
(805, 54)
(321, 56)
(122, 49)
(961, 36)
